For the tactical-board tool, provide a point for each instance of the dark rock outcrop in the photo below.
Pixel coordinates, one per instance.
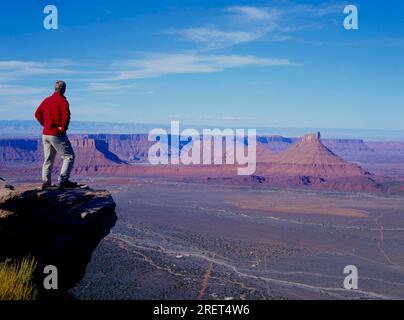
(4, 185)
(58, 227)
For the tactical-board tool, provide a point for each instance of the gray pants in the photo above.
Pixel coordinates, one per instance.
(52, 146)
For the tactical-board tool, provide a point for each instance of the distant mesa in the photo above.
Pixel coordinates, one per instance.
(264, 152)
(284, 162)
(309, 151)
(310, 162)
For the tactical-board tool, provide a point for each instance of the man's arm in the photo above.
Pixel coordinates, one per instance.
(39, 114)
(65, 111)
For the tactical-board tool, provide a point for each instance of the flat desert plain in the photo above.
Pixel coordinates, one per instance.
(177, 240)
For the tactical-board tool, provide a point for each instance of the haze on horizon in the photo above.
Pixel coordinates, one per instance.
(287, 64)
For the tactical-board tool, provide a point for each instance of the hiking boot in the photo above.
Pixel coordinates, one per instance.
(68, 184)
(46, 185)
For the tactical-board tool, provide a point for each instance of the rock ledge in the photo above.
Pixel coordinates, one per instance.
(56, 226)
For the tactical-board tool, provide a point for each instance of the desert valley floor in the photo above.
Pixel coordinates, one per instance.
(202, 232)
(176, 240)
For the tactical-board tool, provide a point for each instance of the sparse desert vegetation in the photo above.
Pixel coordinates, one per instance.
(16, 280)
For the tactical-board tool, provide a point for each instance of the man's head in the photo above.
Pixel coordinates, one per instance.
(60, 87)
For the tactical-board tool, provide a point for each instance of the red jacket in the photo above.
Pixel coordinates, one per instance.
(54, 115)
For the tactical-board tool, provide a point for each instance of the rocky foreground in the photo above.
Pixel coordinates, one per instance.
(58, 227)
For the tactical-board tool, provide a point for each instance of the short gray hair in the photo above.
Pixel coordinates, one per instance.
(60, 86)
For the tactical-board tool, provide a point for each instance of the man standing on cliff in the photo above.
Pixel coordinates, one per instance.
(54, 116)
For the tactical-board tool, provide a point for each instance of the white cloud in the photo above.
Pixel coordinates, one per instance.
(255, 13)
(14, 97)
(316, 11)
(267, 14)
(14, 70)
(106, 87)
(18, 64)
(212, 38)
(20, 101)
(20, 90)
(225, 118)
(155, 65)
(159, 65)
(11, 70)
(249, 23)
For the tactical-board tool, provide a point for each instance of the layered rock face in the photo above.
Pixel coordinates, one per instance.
(310, 162)
(20, 152)
(349, 148)
(310, 157)
(103, 150)
(58, 227)
(289, 162)
(128, 147)
(277, 143)
(92, 155)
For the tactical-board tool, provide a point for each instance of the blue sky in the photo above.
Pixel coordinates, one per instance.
(229, 63)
